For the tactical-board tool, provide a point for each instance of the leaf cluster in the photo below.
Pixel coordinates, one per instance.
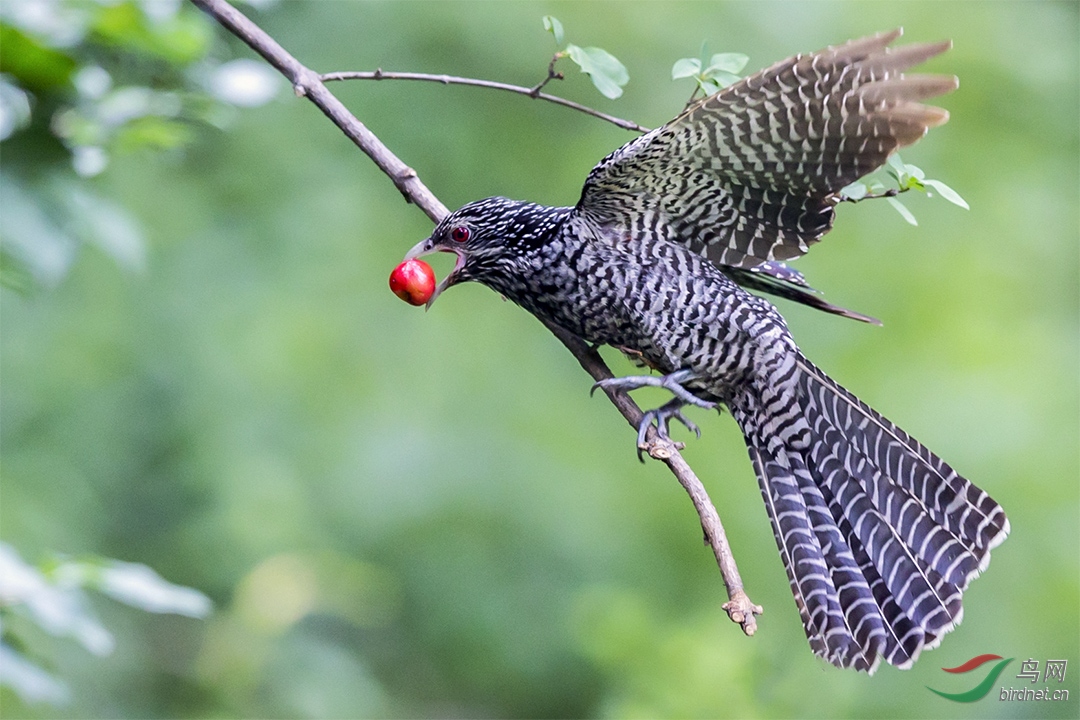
(713, 74)
(52, 597)
(81, 84)
(906, 177)
(604, 69)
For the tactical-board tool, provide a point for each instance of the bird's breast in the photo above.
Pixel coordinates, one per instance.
(657, 301)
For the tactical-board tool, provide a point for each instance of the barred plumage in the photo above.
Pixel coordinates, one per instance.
(889, 535)
(879, 536)
(751, 174)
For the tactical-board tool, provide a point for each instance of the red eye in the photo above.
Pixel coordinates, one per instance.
(459, 234)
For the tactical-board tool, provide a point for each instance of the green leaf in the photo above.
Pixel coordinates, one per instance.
(727, 62)
(708, 86)
(904, 212)
(913, 183)
(62, 610)
(721, 79)
(855, 191)
(553, 26)
(897, 164)
(35, 66)
(78, 128)
(139, 586)
(685, 67)
(948, 193)
(153, 132)
(30, 682)
(14, 108)
(182, 38)
(603, 68)
(132, 584)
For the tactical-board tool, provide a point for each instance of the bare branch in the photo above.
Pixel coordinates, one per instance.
(306, 83)
(739, 607)
(533, 92)
(310, 85)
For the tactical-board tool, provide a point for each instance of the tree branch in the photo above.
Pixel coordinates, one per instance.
(310, 85)
(306, 83)
(739, 606)
(533, 92)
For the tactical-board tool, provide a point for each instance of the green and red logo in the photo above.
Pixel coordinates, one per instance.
(983, 688)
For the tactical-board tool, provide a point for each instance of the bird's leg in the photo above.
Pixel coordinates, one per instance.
(662, 415)
(672, 381)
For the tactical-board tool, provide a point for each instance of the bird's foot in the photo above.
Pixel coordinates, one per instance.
(672, 381)
(661, 416)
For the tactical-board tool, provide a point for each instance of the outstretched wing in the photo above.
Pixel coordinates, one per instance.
(751, 174)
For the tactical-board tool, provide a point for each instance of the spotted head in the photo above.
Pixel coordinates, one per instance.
(495, 240)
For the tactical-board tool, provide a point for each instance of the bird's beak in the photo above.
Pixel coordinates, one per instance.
(426, 247)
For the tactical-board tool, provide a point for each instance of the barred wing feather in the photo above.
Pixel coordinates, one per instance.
(751, 173)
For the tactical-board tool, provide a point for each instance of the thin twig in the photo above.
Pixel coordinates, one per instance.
(490, 84)
(534, 92)
(691, 100)
(310, 85)
(891, 192)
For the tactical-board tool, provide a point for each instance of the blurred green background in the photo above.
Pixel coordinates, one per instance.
(406, 514)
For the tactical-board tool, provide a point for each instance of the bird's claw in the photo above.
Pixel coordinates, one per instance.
(661, 416)
(672, 382)
(688, 423)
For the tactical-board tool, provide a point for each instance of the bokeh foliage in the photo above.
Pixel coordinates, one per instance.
(407, 514)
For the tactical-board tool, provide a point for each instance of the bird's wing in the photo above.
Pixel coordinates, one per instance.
(751, 174)
(778, 279)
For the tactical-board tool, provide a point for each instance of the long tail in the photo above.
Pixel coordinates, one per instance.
(879, 536)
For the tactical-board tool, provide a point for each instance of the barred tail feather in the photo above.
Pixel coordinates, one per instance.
(878, 535)
(837, 606)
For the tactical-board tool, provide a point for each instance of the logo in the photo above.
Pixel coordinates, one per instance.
(983, 688)
(1029, 671)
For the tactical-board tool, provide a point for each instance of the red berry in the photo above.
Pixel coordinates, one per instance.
(413, 281)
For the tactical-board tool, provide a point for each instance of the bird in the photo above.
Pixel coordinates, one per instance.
(879, 536)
